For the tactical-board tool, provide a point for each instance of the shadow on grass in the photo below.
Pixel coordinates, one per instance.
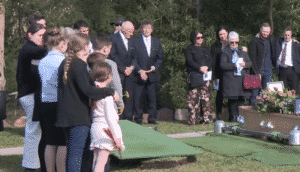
(11, 163)
(150, 163)
(15, 130)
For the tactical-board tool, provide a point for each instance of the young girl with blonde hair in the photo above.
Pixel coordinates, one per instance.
(75, 88)
(46, 104)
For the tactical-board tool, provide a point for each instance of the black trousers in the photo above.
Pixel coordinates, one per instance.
(289, 77)
(1, 125)
(128, 85)
(151, 88)
(233, 107)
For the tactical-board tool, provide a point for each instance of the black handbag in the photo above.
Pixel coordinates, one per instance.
(195, 79)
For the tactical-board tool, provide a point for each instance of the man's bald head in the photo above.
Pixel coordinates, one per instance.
(127, 29)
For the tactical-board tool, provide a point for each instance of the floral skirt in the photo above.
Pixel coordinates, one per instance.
(199, 101)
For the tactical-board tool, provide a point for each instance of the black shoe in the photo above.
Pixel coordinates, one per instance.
(140, 123)
(152, 122)
(32, 169)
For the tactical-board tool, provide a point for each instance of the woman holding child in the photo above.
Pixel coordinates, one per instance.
(75, 88)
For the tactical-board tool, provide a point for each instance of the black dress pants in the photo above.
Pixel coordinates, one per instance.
(289, 77)
(233, 107)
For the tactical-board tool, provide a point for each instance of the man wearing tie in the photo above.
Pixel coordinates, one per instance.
(148, 56)
(120, 53)
(288, 61)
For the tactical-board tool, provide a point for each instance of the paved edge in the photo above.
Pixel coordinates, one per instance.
(194, 134)
(12, 151)
(20, 150)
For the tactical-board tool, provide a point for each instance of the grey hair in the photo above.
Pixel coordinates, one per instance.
(232, 35)
(67, 31)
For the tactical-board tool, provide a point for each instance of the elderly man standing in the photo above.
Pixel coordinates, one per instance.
(120, 53)
(262, 55)
(288, 60)
(148, 56)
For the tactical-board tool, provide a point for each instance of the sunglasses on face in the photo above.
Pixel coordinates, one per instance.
(200, 37)
(234, 43)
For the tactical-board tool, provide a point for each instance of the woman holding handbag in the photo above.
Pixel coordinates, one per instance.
(235, 63)
(198, 63)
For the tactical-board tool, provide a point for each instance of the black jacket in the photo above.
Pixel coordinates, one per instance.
(233, 85)
(257, 52)
(120, 55)
(295, 53)
(197, 57)
(73, 97)
(143, 61)
(27, 73)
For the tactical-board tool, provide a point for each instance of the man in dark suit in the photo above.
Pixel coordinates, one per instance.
(120, 53)
(148, 56)
(288, 60)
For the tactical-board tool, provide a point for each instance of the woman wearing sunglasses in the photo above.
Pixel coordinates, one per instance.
(235, 63)
(198, 64)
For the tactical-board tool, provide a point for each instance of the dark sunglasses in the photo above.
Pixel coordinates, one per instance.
(202, 37)
(117, 24)
(234, 43)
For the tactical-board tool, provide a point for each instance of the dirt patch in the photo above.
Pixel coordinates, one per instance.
(167, 164)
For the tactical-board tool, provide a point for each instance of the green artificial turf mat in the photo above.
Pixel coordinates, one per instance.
(270, 153)
(143, 142)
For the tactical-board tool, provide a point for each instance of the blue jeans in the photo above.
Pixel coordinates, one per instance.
(76, 138)
(266, 76)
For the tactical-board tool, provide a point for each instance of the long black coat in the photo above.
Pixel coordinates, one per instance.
(233, 85)
(197, 57)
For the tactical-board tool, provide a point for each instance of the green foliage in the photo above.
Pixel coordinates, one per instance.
(173, 23)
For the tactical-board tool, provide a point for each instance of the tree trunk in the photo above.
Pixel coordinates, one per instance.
(199, 6)
(271, 16)
(2, 61)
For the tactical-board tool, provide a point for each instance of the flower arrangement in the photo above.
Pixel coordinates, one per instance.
(276, 101)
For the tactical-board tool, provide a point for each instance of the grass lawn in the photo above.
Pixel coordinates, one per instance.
(208, 161)
(11, 137)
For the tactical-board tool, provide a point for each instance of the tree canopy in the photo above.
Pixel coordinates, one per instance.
(173, 22)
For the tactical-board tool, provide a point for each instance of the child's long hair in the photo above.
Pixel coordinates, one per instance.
(77, 42)
(53, 37)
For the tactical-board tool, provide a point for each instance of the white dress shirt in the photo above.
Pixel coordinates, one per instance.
(125, 40)
(288, 56)
(147, 42)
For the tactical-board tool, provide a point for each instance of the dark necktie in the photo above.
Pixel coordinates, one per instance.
(282, 62)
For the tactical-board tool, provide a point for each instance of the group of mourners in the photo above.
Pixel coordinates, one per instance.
(71, 85)
(71, 88)
(227, 63)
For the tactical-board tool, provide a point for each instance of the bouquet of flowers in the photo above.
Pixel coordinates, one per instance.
(276, 101)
